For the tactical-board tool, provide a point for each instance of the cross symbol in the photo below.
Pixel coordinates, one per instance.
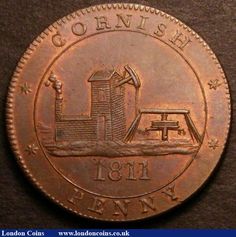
(164, 126)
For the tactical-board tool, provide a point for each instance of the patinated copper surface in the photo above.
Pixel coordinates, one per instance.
(118, 112)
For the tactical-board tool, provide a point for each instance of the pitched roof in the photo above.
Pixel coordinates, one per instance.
(104, 75)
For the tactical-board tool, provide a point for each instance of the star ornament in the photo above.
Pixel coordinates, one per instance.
(32, 149)
(25, 89)
(213, 143)
(214, 84)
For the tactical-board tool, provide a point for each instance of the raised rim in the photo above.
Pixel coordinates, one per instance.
(33, 46)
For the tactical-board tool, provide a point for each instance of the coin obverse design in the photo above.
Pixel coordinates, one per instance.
(118, 112)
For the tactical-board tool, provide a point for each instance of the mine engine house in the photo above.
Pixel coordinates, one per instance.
(107, 116)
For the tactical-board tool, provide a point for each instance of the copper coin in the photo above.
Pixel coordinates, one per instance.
(118, 112)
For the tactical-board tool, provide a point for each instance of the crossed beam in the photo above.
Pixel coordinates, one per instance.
(134, 126)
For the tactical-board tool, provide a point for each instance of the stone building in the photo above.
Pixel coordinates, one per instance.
(106, 121)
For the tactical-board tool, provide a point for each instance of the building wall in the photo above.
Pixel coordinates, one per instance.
(101, 105)
(107, 102)
(76, 130)
(118, 109)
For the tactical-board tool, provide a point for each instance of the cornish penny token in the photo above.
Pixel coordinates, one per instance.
(118, 112)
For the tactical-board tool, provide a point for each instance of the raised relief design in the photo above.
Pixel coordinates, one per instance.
(170, 192)
(214, 84)
(213, 143)
(58, 40)
(31, 149)
(97, 205)
(105, 132)
(113, 170)
(147, 203)
(180, 40)
(121, 207)
(25, 89)
(77, 196)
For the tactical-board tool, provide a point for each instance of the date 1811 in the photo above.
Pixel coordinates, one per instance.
(117, 170)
